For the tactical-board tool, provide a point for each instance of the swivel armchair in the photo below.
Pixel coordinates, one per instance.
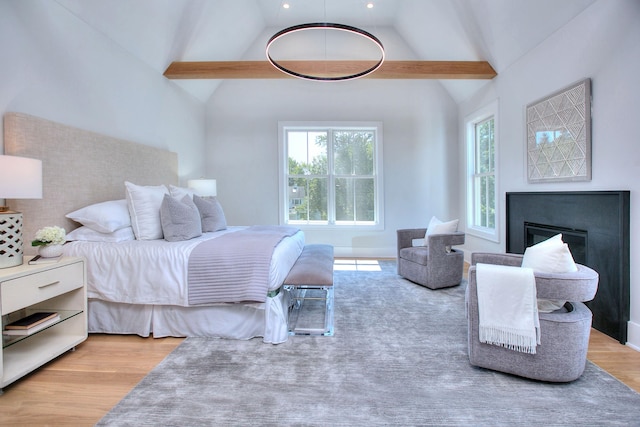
(434, 265)
(564, 334)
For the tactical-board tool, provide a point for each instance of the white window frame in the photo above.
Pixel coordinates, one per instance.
(283, 163)
(487, 112)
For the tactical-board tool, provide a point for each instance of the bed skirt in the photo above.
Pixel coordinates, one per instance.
(234, 321)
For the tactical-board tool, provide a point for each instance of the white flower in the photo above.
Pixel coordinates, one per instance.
(50, 236)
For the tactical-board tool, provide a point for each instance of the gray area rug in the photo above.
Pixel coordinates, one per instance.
(398, 357)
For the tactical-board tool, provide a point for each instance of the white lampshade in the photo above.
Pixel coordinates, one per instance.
(203, 187)
(20, 178)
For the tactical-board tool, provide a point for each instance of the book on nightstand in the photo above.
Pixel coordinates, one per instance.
(42, 260)
(32, 323)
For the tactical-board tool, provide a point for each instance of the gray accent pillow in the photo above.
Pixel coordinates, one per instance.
(180, 219)
(211, 212)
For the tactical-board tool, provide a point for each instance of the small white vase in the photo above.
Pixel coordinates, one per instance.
(50, 251)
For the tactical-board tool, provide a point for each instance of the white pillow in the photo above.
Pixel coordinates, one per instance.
(438, 227)
(144, 208)
(105, 217)
(180, 192)
(549, 256)
(87, 234)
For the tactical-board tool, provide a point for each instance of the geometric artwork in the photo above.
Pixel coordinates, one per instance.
(559, 135)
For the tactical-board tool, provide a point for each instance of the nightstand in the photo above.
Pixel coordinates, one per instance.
(57, 287)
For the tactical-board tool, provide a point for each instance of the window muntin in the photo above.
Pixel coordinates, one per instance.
(482, 209)
(484, 175)
(332, 175)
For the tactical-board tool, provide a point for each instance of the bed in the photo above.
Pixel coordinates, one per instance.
(139, 286)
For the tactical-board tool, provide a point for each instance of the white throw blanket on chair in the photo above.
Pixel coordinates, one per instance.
(507, 307)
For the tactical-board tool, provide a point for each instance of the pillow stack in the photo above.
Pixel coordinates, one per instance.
(88, 235)
(174, 214)
(149, 213)
(102, 222)
(211, 214)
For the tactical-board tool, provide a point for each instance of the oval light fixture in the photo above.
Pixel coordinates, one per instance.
(347, 75)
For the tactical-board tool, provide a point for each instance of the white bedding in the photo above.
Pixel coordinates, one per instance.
(154, 272)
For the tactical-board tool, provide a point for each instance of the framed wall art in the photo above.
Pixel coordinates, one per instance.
(559, 135)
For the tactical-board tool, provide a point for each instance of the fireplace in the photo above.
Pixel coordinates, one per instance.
(595, 225)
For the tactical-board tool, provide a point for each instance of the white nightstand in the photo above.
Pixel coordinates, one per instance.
(25, 289)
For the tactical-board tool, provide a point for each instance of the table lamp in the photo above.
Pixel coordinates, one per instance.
(203, 187)
(20, 178)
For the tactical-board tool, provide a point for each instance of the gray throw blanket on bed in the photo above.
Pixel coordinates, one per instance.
(234, 267)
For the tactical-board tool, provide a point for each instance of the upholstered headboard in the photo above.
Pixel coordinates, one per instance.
(79, 168)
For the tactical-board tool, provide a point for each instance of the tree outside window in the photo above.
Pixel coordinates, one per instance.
(482, 208)
(484, 177)
(331, 176)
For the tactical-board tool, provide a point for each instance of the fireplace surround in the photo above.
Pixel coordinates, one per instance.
(596, 226)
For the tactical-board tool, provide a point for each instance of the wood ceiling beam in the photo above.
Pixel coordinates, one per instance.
(388, 70)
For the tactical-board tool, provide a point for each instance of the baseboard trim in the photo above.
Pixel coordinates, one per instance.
(348, 251)
(633, 335)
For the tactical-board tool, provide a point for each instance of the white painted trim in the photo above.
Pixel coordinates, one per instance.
(633, 335)
(379, 172)
(489, 110)
(360, 252)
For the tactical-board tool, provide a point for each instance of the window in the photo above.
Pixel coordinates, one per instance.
(482, 219)
(331, 174)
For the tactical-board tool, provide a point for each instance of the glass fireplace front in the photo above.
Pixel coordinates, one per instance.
(576, 239)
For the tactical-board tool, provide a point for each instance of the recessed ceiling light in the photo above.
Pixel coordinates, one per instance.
(285, 5)
(370, 5)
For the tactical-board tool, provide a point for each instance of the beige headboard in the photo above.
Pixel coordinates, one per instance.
(79, 168)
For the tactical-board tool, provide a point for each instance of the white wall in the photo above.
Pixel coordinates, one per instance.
(56, 67)
(420, 154)
(419, 135)
(601, 43)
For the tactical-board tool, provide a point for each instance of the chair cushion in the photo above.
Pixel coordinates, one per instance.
(417, 254)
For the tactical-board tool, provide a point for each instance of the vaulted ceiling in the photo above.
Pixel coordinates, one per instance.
(159, 32)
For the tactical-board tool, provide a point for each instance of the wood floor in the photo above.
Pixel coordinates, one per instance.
(80, 387)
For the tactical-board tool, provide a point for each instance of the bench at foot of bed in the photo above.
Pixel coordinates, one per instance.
(309, 287)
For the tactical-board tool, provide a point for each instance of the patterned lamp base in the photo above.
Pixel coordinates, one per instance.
(10, 239)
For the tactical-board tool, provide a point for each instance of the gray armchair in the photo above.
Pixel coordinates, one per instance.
(435, 265)
(564, 333)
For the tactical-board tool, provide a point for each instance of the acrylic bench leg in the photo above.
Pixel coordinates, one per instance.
(328, 314)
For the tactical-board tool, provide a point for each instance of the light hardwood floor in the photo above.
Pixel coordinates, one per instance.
(80, 387)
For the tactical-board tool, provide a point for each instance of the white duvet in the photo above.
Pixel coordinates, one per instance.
(155, 271)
